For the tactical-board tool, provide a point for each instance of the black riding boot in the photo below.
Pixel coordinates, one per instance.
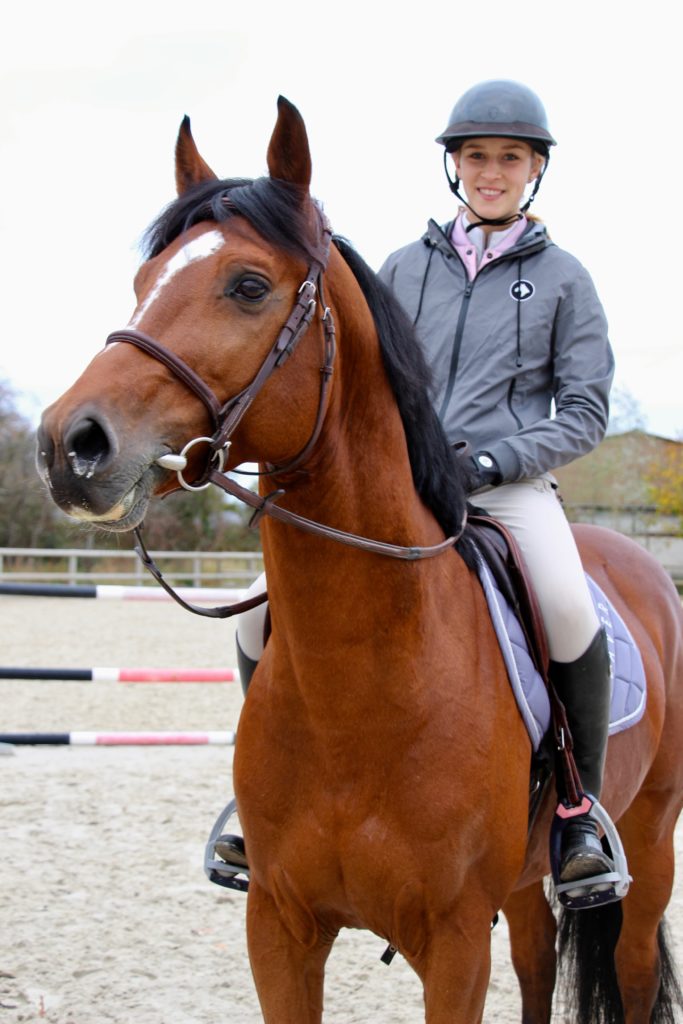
(583, 686)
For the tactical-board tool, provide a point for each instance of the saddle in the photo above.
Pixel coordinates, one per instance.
(500, 551)
(504, 560)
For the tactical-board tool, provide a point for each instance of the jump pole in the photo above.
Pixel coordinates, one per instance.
(125, 675)
(116, 593)
(118, 739)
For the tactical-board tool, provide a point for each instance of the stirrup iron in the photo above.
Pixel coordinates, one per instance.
(608, 887)
(215, 868)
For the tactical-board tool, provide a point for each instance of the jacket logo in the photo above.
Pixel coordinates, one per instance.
(521, 290)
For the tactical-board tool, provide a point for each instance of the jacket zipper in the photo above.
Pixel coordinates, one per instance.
(455, 354)
(460, 326)
(511, 391)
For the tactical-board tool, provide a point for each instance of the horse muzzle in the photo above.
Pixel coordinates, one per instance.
(89, 474)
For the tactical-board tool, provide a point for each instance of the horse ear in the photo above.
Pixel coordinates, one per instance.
(289, 157)
(190, 168)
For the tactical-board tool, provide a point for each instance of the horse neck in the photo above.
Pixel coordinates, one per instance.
(360, 481)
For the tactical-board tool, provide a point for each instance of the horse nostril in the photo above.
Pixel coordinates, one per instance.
(87, 446)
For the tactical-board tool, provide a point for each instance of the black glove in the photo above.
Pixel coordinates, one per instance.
(482, 471)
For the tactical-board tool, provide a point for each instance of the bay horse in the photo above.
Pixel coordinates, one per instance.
(381, 766)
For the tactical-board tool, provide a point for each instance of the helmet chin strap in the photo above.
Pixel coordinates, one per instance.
(454, 185)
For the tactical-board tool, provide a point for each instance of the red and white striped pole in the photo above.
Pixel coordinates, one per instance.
(118, 739)
(125, 675)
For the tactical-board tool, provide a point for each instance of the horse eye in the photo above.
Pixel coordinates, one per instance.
(249, 289)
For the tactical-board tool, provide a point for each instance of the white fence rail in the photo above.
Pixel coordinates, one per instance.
(82, 565)
(668, 551)
(202, 568)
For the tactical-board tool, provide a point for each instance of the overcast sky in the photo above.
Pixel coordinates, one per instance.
(92, 97)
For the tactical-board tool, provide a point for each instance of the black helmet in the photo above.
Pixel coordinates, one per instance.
(501, 109)
(498, 108)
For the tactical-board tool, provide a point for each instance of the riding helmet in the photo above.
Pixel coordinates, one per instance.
(498, 108)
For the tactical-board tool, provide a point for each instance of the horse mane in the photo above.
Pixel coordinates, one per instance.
(437, 473)
(275, 209)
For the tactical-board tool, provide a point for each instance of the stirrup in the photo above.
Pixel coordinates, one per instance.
(608, 887)
(215, 868)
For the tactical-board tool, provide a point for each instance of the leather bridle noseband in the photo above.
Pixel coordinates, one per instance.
(226, 417)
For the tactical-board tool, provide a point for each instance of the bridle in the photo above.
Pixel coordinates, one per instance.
(226, 417)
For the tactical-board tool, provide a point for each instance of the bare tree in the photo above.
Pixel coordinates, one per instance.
(625, 412)
(202, 521)
(27, 518)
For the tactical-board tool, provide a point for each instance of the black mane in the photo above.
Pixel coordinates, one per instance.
(275, 209)
(437, 473)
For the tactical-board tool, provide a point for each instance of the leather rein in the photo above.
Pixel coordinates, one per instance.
(225, 418)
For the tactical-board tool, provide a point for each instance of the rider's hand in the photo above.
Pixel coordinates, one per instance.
(482, 471)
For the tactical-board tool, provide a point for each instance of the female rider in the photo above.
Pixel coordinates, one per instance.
(517, 341)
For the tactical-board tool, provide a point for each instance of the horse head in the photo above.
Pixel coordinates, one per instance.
(231, 280)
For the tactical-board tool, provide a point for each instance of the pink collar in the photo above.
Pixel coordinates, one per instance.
(472, 247)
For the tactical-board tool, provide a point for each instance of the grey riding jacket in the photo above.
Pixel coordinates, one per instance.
(528, 333)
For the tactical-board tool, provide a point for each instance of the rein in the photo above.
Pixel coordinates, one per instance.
(226, 417)
(266, 506)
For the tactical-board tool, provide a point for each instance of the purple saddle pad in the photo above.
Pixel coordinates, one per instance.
(629, 691)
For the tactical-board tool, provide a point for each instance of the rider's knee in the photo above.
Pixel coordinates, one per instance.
(571, 625)
(250, 636)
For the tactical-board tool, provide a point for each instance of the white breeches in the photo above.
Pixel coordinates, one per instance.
(250, 625)
(532, 512)
(534, 516)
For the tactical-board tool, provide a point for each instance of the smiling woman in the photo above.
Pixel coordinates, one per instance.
(495, 173)
(517, 340)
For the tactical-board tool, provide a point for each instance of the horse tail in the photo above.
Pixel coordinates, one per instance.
(670, 993)
(587, 941)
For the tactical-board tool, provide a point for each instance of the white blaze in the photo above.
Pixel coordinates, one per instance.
(198, 249)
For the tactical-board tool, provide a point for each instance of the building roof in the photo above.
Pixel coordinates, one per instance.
(621, 472)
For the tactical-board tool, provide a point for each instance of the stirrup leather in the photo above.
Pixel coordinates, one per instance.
(608, 887)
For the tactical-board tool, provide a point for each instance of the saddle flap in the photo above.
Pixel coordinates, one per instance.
(503, 557)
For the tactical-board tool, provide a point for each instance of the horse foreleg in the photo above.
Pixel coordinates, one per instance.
(454, 969)
(532, 945)
(288, 972)
(647, 833)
